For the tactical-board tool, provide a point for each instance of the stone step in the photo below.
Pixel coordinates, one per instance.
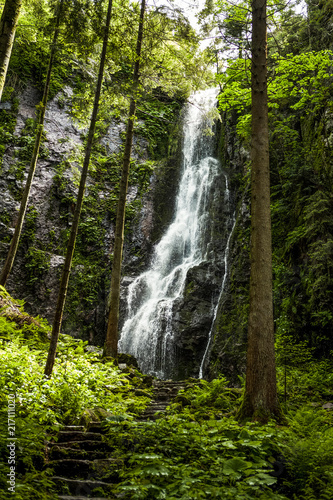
(158, 404)
(88, 445)
(65, 436)
(69, 497)
(164, 396)
(73, 428)
(165, 392)
(150, 416)
(81, 460)
(154, 409)
(83, 487)
(171, 383)
(170, 387)
(96, 427)
(58, 452)
(173, 386)
(106, 468)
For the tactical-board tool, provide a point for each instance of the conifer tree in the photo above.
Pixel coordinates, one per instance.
(8, 23)
(33, 163)
(78, 207)
(260, 398)
(111, 344)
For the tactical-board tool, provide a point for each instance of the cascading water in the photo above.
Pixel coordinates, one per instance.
(148, 331)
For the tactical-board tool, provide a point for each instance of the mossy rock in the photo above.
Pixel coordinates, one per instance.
(127, 359)
(93, 415)
(147, 380)
(12, 310)
(183, 400)
(140, 392)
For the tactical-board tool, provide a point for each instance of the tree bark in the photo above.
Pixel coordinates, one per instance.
(111, 343)
(76, 218)
(260, 398)
(33, 163)
(8, 23)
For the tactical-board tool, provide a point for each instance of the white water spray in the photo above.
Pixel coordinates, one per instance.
(147, 332)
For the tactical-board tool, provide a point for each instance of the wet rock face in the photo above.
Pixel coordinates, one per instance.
(194, 313)
(38, 265)
(192, 321)
(227, 353)
(40, 297)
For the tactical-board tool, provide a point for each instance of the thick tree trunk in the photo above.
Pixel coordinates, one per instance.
(8, 23)
(111, 343)
(260, 398)
(79, 202)
(33, 163)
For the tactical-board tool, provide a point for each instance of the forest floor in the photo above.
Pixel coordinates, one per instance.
(150, 439)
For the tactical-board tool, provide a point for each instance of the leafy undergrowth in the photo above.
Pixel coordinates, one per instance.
(179, 457)
(80, 381)
(197, 450)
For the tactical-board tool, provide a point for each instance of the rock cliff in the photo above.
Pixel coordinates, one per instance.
(36, 272)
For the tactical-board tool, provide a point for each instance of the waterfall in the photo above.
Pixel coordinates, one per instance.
(148, 332)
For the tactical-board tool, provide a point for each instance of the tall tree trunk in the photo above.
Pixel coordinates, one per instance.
(8, 23)
(76, 218)
(111, 343)
(260, 398)
(33, 163)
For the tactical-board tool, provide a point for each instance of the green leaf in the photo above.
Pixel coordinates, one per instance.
(234, 465)
(228, 444)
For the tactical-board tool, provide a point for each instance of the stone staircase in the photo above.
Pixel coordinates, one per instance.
(83, 464)
(165, 391)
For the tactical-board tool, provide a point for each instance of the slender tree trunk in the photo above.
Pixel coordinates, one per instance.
(76, 218)
(8, 23)
(33, 163)
(111, 344)
(260, 398)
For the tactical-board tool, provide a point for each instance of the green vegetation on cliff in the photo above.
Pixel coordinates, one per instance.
(300, 95)
(171, 69)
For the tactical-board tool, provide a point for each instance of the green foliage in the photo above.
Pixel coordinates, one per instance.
(191, 455)
(156, 122)
(208, 399)
(169, 72)
(197, 450)
(302, 378)
(7, 119)
(304, 288)
(80, 381)
(300, 100)
(309, 451)
(303, 81)
(30, 481)
(182, 458)
(30, 226)
(37, 263)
